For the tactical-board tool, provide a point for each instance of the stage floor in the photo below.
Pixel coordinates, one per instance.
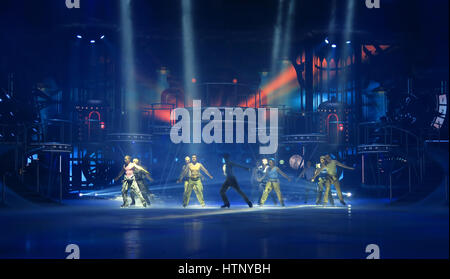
(103, 230)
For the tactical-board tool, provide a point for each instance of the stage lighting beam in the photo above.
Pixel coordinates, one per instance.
(128, 70)
(277, 38)
(189, 59)
(288, 30)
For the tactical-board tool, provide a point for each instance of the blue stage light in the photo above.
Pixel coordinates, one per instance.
(333, 45)
(92, 41)
(79, 37)
(348, 42)
(102, 37)
(326, 41)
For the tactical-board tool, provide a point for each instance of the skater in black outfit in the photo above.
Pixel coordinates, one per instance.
(231, 181)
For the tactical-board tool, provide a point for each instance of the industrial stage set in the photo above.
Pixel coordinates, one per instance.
(274, 129)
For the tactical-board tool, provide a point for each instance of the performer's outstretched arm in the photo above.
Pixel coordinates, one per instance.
(283, 174)
(343, 166)
(140, 168)
(147, 175)
(205, 171)
(119, 175)
(183, 173)
(239, 166)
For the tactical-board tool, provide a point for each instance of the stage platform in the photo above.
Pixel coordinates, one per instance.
(168, 231)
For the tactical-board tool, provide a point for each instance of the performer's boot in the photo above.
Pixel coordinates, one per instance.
(125, 200)
(124, 195)
(342, 202)
(331, 199)
(250, 204)
(319, 197)
(225, 205)
(133, 201)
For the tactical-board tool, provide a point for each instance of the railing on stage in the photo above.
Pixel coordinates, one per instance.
(388, 142)
(242, 94)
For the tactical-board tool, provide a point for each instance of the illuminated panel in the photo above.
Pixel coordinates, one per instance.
(438, 121)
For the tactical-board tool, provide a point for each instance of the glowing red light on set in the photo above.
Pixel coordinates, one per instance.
(102, 125)
(341, 127)
(194, 80)
(235, 80)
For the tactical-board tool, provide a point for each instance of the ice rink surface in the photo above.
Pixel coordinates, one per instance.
(102, 229)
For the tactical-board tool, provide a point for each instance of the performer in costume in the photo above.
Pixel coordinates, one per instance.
(258, 173)
(140, 180)
(330, 166)
(231, 181)
(129, 181)
(322, 183)
(184, 176)
(194, 182)
(307, 173)
(273, 182)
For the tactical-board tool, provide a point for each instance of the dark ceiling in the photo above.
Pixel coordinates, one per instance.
(235, 34)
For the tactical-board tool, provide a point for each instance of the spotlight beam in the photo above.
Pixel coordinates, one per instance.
(348, 28)
(277, 38)
(288, 30)
(128, 71)
(190, 71)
